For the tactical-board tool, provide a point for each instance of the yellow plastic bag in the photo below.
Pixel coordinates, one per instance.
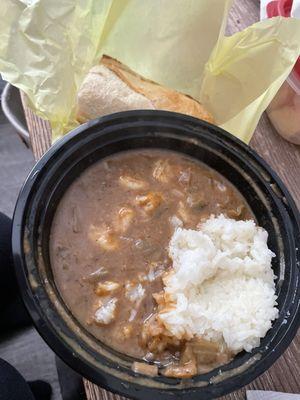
(246, 70)
(47, 47)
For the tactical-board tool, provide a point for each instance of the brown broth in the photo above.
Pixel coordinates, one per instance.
(135, 240)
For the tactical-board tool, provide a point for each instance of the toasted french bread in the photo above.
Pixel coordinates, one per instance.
(111, 87)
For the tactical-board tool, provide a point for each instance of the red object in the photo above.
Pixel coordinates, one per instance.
(283, 8)
(279, 7)
(296, 68)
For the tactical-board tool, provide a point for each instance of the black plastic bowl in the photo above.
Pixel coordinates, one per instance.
(270, 201)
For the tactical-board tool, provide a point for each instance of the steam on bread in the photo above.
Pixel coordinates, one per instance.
(111, 87)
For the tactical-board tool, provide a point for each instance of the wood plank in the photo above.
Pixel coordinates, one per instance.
(39, 130)
(282, 156)
(285, 160)
(93, 392)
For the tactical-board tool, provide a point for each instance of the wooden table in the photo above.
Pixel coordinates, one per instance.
(283, 157)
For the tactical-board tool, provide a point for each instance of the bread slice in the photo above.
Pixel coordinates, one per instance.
(111, 87)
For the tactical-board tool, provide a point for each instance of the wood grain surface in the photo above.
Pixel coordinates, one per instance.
(39, 131)
(284, 375)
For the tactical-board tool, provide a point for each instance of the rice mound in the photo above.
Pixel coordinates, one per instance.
(221, 284)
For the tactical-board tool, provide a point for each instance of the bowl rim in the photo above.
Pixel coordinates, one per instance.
(49, 336)
(8, 93)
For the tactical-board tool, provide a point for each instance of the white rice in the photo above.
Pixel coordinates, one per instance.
(222, 283)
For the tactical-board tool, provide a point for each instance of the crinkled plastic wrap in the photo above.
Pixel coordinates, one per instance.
(47, 47)
(246, 70)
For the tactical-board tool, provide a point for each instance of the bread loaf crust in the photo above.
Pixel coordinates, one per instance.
(122, 89)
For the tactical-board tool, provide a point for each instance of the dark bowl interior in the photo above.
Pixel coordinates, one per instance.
(270, 202)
